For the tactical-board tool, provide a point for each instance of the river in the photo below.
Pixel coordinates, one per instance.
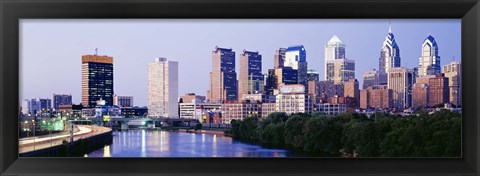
(152, 143)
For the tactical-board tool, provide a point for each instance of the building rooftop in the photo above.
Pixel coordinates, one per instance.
(334, 40)
(296, 48)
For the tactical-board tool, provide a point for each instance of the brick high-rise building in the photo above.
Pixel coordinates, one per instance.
(350, 89)
(376, 97)
(421, 95)
(439, 90)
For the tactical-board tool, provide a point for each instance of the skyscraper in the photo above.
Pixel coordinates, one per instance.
(97, 80)
(337, 67)
(439, 90)
(163, 88)
(312, 75)
(250, 79)
(279, 57)
(453, 71)
(399, 80)
(390, 53)
(223, 78)
(296, 58)
(61, 99)
(429, 63)
(334, 49)
(270, 82)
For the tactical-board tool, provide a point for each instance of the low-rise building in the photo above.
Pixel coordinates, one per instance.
(268, 108)
(239, 110)
(293, 99)
(197, 110)
(331, 109)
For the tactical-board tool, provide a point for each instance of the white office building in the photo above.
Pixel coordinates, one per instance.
(163, 88)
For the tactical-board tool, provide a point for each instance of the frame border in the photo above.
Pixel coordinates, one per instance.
(13, 10)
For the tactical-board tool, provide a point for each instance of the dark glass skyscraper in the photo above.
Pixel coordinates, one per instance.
(223, 78)
(250, 79)
(97, 80)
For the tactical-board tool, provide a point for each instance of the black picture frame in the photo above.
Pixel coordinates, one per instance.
(13, 10)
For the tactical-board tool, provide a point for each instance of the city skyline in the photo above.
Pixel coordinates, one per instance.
(132, 83)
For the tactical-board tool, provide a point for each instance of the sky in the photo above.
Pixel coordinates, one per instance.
(51, 50)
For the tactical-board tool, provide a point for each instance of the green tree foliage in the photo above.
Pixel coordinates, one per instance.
(294, 130)
(421, 135)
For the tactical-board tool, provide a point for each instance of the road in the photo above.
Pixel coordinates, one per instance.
(41, 142)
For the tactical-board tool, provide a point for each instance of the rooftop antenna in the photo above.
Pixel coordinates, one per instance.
(96, 51)
(453, 58)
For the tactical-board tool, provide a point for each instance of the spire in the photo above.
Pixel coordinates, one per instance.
(389, 26)
(334, 40)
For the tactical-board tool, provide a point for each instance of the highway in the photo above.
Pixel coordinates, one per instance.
(41, 142)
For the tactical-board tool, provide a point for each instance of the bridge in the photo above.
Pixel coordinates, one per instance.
(127, 123)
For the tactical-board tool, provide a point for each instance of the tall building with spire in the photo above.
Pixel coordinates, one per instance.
(429, 62)
(223, 78)
(338, 68)
(296, 57)
(250, 79)
(390, 53)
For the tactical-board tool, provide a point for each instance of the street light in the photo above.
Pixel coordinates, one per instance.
(33, 121)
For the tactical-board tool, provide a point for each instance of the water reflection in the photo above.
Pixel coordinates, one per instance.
(144, 143)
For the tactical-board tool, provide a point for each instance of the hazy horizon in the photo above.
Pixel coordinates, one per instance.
(51, 50)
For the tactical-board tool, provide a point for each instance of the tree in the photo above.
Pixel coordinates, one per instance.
(293, 131)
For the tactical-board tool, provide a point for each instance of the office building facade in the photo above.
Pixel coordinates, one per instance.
(453, 71)
(250, 79)
(223, 78)
(97, 80)
(163, 88)
(399, 80)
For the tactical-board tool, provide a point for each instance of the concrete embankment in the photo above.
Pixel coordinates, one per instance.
(83, 143)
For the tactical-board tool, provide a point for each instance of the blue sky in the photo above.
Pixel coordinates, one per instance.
(51, 50)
